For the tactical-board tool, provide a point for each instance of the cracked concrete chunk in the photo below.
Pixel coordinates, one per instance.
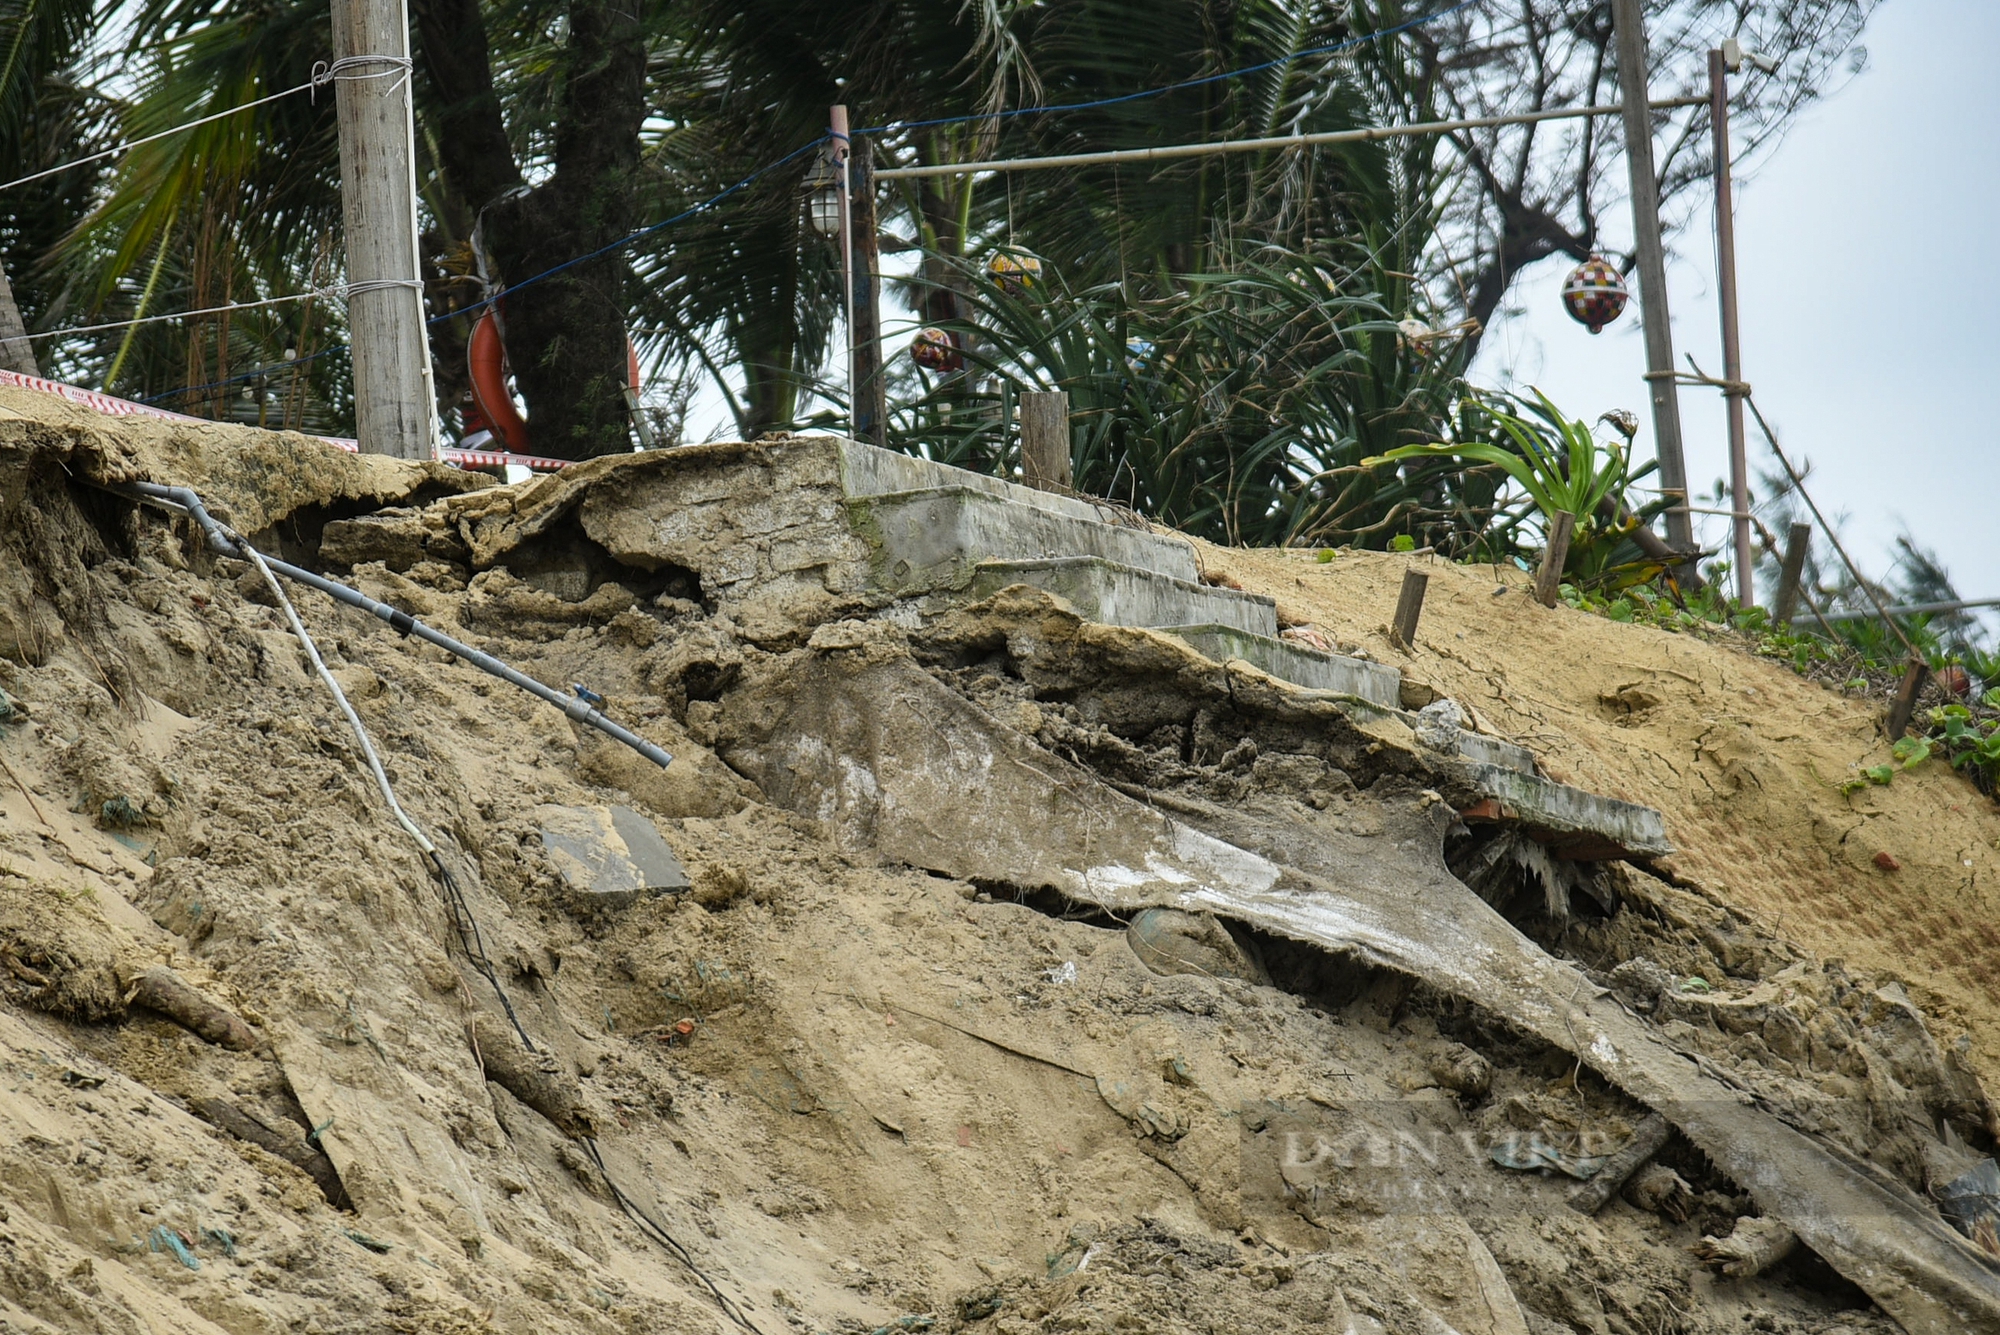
(609, 856)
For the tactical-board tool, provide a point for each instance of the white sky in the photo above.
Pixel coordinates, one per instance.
(1868, 279)
(1868, 274)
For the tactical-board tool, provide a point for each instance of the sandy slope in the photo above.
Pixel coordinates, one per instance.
(1742, 755)
(903, 1100)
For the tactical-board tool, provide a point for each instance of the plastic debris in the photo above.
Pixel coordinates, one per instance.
(585, 694)
(1534, 1152)
(1971, 1202)
(1062, 973)
(164, 1239)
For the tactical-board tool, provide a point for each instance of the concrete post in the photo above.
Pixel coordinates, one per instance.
(394, 406)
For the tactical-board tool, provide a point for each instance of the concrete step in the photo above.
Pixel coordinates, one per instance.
(1297, 664)
(1123, 595)
(933, 537)
(868, 470)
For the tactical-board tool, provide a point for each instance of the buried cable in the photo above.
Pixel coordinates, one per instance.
(471, 940)
(228, 543)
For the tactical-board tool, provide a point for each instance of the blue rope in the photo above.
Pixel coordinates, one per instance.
(1328, 49)
(793, 156)
(624, 241)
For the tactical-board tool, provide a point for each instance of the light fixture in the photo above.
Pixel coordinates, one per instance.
(823, 198)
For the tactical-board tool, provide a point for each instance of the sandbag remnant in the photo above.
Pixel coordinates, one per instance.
(1753, 1247)
(1168, 941)
(513, 1068)
(1971, 1202)
(161, 989)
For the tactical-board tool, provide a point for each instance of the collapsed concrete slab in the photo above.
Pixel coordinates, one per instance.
(850, 732)
(610, 857)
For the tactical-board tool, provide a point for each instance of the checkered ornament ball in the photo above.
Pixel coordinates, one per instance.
(1594, 294)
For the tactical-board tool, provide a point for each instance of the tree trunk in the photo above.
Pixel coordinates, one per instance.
(16, 353)
(564, 335)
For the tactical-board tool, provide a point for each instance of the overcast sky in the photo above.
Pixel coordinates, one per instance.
(1868, 278)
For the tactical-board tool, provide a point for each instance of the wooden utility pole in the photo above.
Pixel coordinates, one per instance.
(394, 408)
(870, 406)
(1045, 463)
(1631, 37)
(1732, 354)
(16, 353)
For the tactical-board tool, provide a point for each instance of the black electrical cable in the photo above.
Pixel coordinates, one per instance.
(472, 942)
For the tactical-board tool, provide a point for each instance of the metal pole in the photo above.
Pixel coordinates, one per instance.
(870, 408)
(1732, 360)
(1278, 144)
(837, 123)
(1631, 37)
(394, 407)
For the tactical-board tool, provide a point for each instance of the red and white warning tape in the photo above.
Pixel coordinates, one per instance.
(105, 403)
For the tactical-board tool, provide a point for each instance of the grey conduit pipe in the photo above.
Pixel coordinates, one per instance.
(228, 543)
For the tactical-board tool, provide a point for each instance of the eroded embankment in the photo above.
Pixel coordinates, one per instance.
(859, 1088)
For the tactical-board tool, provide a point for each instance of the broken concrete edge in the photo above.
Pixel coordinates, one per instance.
(256, 479)
(610, 857)
(1580, 825)
(933, 538)
(1376, 683)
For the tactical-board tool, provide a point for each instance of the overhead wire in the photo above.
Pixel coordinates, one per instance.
(1328, 49)
(716, 199)
(629, 239)
(323, 73)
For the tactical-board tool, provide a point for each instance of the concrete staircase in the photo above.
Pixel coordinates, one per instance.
(940, 535)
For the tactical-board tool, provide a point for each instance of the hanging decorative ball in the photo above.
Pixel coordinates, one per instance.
(1594, 293)
(935, 350)
(1015, 272)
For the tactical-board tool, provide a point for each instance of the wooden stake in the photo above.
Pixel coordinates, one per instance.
(1045, 463)
(1906, 697)
(1797, 544)
(1409, 606)
(1548, 580)
(1648, 1139)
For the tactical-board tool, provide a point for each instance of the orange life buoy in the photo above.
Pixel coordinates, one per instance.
(486, 360)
